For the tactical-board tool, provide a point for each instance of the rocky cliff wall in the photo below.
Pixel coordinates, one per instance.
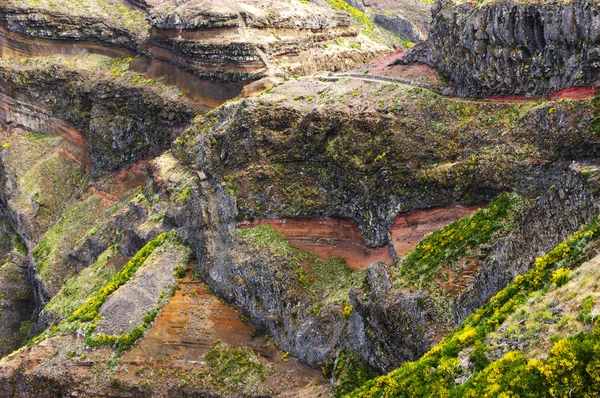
(121, 122)
(514, 48)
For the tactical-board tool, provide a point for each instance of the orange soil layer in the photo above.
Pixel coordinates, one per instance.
(343, 238)
(193, 320)
(184, 331)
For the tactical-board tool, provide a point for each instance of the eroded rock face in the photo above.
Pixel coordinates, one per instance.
(408, 19)
(120, 122)
(405, 324)
(513, 48)
(16, 304)
(399, 25)
(317, 164)
(220, 42)
(126, 308)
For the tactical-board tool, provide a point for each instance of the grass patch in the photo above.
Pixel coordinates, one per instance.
(234, 368)
(327, 281)
(78, 289)
(64, 234)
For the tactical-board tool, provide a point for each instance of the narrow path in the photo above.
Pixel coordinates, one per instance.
(573, 93)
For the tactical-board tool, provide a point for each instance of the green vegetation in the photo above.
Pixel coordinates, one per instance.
(350, 372)
(561, 276)
(571, 369)
(78, 289)
(85, 319)
(234, 369)
(327, 281)
(72, 225)
(89, 311)
(50, 183)
(366, 26)
(112, 12)
(458, 240)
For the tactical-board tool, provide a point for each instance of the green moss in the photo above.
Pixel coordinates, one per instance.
(63, 235)
(327, 281)
(365, 25)
(51, 183)
(234, 369)
(351, 371)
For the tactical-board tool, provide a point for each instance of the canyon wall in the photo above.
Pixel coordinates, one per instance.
(514, 48)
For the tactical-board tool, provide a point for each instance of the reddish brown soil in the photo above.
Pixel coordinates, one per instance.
(417, 72)
(457, 280)
(207, 93)
(326, 238)
(130, 178)
(172, 350)
(343, 238)
(410, 228)
(575, 93)
(192, 321)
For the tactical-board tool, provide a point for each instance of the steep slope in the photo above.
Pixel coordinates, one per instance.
(514, 48)
(407, 19)
(157, 247)
(537, 337)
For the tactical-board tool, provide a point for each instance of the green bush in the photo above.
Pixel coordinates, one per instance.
(572, 369)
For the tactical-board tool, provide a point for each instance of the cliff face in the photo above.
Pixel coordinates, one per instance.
(120, 122)
(407, 19)
(366, 152)
(283, 157)
(514, 48)
(133, 256)
(199, 45)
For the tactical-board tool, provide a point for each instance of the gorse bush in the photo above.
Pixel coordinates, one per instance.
(572, 368)
(458, 239)
(561, 276)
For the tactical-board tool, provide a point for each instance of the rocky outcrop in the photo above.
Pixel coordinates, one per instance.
(121, 122)
(514, 48)
(36, 24)
(299, 158)
(226, 42)
(568, 204)
(408, 19)
(16, 301)
(389, 324)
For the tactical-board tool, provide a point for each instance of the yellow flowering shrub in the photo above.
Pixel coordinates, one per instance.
(571, 370)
